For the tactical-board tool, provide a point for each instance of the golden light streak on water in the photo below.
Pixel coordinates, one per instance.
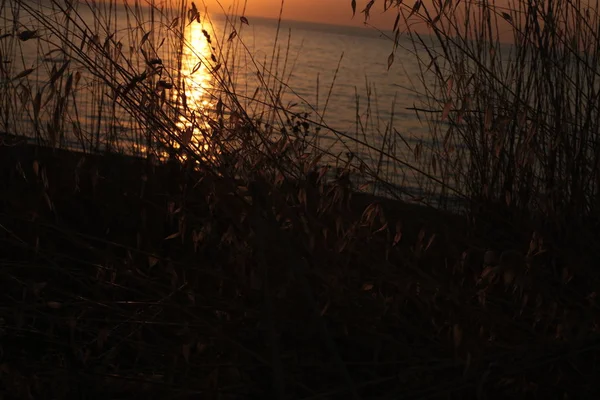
(198, 82)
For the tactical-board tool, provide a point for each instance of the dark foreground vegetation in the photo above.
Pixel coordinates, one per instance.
(227, 256)
(121, 278)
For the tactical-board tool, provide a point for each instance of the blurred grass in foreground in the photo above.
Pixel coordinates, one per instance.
(227, 260)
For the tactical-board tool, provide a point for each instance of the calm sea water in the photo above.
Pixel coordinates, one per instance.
(316, 50)
(338, 75)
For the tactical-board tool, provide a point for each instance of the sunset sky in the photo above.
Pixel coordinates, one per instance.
(337, 12)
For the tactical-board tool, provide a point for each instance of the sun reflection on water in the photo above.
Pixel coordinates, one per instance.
(198, 84)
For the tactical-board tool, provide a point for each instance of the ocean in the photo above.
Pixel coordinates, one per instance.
(316, 50)
(339, 76)
(336, 75)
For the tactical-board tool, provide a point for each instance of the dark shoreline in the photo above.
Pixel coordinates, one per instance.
(112, 166)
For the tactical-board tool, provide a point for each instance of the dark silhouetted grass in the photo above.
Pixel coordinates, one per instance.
(153, 246)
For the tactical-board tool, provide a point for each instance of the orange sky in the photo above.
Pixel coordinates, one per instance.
(326, 11)
(333, 12)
